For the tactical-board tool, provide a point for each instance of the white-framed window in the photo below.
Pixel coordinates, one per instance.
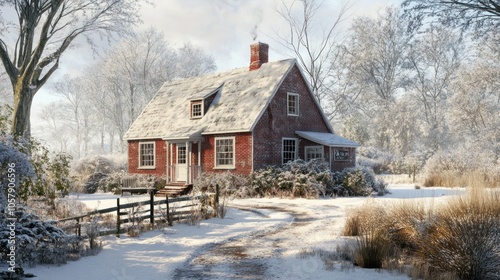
(289, 149)
(224, 152)
(292, 104)
(147, 154)
(196, 109)
(314, 152)
(340, 154)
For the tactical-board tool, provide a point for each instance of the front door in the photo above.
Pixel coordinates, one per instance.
(181, 170)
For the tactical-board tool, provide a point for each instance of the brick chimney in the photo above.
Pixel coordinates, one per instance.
(258, 55)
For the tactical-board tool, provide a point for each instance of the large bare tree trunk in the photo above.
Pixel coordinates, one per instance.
(23, 97)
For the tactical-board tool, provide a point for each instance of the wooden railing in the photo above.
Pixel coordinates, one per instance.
(149, 210)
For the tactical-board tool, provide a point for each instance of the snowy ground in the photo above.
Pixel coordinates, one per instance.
(270, 243)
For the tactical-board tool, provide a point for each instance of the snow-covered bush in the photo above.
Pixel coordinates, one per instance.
(93, 172)
(294, 179)
(230, 185)
(51, 174)
(38, 241)
(313, 179)
(360, 181)
(38, 172)
(379, 161)
(11, 156)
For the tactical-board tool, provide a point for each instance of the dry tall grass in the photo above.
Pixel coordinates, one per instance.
(366, 216)
(464, 236)
(473, 179)
(459, 239)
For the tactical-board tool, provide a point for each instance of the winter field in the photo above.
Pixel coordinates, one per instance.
(258, 239)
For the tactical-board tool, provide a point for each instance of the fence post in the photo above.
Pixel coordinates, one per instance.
(78, 227)
(216, 206)
(151, 209)
(118, 217)
(169, 220)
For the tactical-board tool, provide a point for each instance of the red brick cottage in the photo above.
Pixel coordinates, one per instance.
(239, 121)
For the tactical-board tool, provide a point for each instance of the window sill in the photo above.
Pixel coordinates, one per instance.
(225, 167)
(147, 167)
(293, 115)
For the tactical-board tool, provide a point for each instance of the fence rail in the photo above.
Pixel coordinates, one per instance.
(153, 212)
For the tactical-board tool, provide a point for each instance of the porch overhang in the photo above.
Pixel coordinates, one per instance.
(184, 137)
(327, 139)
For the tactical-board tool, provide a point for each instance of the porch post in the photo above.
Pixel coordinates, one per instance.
(330, 156)
(198, 168)
(167, 167)
(188, 155)
(171, 171)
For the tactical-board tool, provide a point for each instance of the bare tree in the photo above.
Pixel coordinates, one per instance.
(378, 49)
(192, 62)
(54, 128)
(435, 59)
(314, 52)
(474, 113)
(481, 16)
(377, 54)
(44, 30)
(80, 113)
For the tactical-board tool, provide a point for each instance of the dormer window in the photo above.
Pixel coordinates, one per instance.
(196, 109)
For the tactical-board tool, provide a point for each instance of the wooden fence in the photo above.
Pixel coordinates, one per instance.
(150, 210)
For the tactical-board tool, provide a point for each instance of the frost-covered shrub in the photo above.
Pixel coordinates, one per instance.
(377, 160)
(37, 241)
(38, 172)
(360, 181)
(230, 184)
(313, 179)
(92, 183)
(93, 172)
(11, 156)
(294, 179)
(90, 165)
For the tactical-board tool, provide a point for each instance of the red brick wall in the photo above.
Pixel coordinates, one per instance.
(276, 124)
(160, 158)
(243, 153)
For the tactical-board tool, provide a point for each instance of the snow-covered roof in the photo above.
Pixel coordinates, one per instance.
(327, 139)
(241, 96)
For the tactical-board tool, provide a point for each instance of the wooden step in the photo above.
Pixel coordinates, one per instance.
(174, 190)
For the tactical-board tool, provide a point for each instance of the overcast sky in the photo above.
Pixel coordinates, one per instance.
(223, 28)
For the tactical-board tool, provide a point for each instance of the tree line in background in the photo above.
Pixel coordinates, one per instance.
(413, 85)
